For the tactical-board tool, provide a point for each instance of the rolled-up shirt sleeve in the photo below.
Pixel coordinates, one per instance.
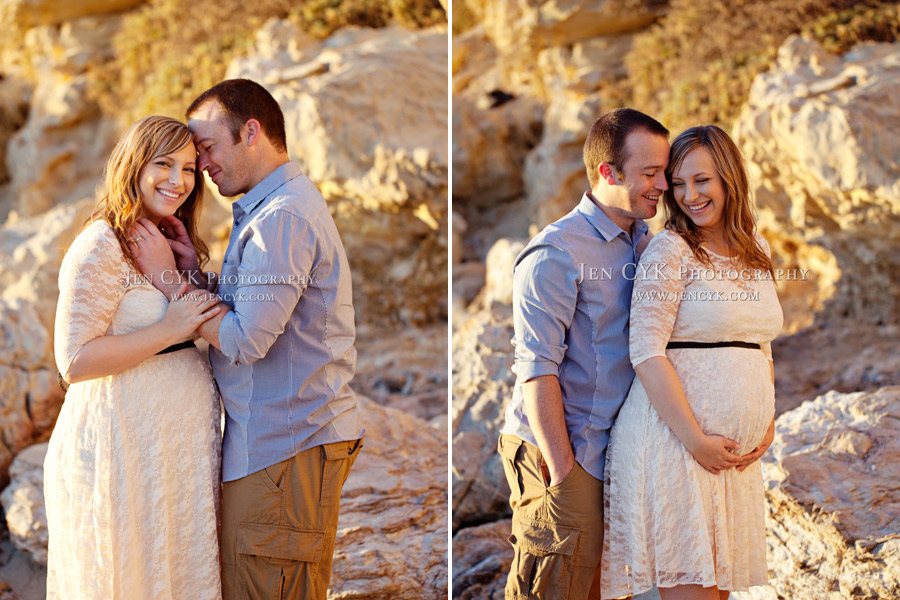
(276, 266)
(545, 287)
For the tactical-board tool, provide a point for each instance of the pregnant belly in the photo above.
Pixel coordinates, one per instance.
(729, 391)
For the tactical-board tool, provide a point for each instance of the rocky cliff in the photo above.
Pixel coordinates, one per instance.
(818, 130)
(378, 156)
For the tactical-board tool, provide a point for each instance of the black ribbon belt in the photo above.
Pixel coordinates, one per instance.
(672, 345)
(173, 348)
(185, 346)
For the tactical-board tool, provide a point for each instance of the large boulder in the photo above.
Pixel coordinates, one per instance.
(30, 399)
(523, 25)
(528, 81)
(555, 177)
(406, 369)
(481, 559)
(392, 530)
(822, 134)
(25, 14)
(31, 250)
(840, 354)
(57, 157)
(482, 386)
(490, 143)
(382, 166)
(23, 503)
(15, 95)
(833, 511)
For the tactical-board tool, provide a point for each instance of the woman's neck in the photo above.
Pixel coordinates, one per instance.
(153, 219)
(714, 239)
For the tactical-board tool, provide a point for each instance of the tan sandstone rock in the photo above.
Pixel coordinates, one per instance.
(822, 134)
(15, 95)
(522, 29)
(490, 145)
(392, 533)
(555, 177)
(25, 14)
(382, 166)
(458, 228)
(532, 23)
(499, 270)
(31, 251)
(482, 386)
(405, 370)
(833, 509)
(58, 155)
(23, 504)
(481, 559)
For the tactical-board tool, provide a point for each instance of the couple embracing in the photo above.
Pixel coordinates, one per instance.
(644, 392)
(145, 499)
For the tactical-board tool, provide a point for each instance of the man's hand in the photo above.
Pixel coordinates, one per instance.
(544, 408)
(153, 256)
(180, 242)
(554, 477)
(754, 455)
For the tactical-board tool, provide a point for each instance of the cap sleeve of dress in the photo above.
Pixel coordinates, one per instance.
(655, 298)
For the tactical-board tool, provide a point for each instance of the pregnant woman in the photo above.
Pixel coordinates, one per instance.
(131, 477)
(684, 507)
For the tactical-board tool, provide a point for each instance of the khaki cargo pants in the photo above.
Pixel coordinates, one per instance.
(279, 525)
(557, 532)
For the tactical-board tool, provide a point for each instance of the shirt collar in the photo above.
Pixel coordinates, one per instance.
(265, 188)
(603, 224)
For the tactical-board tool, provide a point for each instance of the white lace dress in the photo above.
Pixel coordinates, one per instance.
(668, 521)
(131, 477)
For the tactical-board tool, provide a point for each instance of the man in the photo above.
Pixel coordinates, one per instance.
(571, 299)
(281, 350)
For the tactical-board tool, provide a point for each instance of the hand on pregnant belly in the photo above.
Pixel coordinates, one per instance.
(715, 453)
(754, 455)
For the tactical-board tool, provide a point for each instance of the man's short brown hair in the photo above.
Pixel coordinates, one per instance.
(242, 100)
(605, 142)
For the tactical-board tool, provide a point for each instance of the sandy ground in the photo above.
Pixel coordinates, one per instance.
(27, 580)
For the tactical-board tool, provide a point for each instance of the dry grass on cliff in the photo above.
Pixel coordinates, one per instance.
(169, 51)
(734, 41)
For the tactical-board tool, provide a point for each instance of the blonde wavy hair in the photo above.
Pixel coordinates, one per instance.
(121, 204)
(740, 228)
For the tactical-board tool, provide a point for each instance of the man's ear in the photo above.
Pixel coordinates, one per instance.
(253, 130)
(609, 173)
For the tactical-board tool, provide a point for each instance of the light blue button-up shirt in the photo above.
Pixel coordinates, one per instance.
(287, 354)
(571, 299)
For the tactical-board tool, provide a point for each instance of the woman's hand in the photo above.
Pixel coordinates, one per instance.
(153, 256)
(186, 312)
(755, 454)
(715, 453)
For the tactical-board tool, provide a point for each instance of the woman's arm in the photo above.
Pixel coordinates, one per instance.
(112, 354)
(714, 452)
(654, 310)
